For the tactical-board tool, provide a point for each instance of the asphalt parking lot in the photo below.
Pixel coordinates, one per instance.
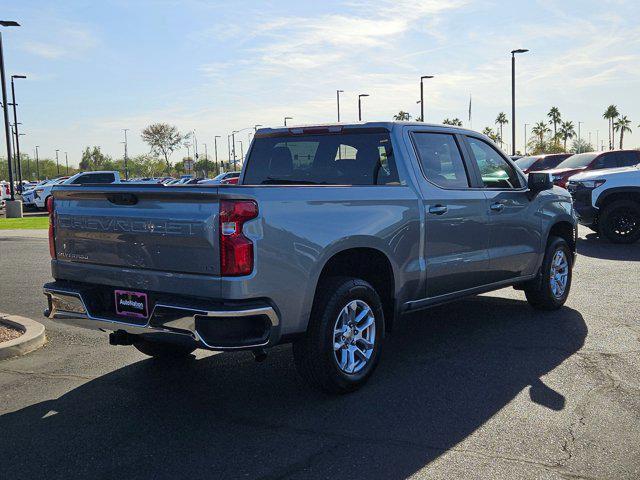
(482, 388)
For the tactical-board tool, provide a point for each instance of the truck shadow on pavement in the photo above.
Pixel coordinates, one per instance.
(444, 374)
(597, 247)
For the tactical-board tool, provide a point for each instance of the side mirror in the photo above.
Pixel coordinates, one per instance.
(539, 181)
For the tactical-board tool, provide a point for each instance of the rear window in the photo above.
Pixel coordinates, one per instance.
(578, 160)
(94, 178)
(329, 159)
(526, 162)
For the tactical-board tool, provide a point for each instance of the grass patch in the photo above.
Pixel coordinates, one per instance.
(32, 223)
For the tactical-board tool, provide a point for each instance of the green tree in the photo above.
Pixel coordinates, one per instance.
(488, 131)
(94, 159)
(566, 132)
(611, 113)
(555, 119)
(622, 125)
(163, 139)
(456, 122)
(501, 121)
(540, 129)
(402, 116)
(580, 145)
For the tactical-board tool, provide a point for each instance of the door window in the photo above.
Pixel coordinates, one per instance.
(440, 159)
(496, 172)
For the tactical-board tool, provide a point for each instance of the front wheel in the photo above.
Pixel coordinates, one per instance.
(551, 290)
(620, 221)
(343, 342)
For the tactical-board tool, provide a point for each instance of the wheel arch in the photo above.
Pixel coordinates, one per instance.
(618, 193)
(368, 263)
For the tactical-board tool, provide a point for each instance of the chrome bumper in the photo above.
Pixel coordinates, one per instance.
(69, 307)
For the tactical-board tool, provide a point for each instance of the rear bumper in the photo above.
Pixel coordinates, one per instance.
(213, 327)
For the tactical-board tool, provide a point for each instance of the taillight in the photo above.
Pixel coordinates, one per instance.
(52, 244)
(236, 250)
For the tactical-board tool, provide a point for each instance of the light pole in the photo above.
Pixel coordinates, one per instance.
(15, 123)
(37, 164)
(597, 138)
(360, 105)
(126, 173)
(233, 149)
(525, 137)
(579, 142)
(215, 149)
(338, 92)
(66, 160)
(285, 120)
(513, 97)
(422, 79)
(57, 163)
(229, 148)
(241, 151)
(5, 108)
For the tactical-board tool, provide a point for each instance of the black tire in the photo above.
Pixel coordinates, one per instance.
(620, 221)
(539, 293)
(314, 355)
(163, 349)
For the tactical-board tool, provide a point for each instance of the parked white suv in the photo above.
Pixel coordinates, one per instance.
(42, 192)
(608, 202)
(5, 193)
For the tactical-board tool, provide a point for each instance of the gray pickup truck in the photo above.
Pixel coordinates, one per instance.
(333, 232)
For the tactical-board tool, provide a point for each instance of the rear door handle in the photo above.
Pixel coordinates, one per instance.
(497, 207)
(438, 209)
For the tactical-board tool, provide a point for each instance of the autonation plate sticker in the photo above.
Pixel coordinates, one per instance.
(131, 304)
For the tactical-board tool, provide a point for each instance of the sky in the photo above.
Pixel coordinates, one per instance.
(95, 68)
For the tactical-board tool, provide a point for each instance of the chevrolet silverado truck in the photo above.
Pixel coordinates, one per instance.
(332, 233)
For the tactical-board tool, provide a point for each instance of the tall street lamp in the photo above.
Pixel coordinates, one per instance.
(57, 163)
(513, 97)
(233, 148)
(579, 141)
(37, 164)
(5, 109)
(66, 161)
(126, 144)
(285, 120)
(525, 137)
(15, 122)
(215, 149)
(360, 105)
(338, 92)
(422, 79)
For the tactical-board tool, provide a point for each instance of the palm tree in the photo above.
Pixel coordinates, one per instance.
(540, 129)
(501, 120)
(610, 114)
(556, 118)
(567, 131)
(622, 124)
(456, 122)
(488, 131)
(402, 116)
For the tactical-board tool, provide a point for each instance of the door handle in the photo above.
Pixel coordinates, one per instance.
(497, 207)
(438, 209)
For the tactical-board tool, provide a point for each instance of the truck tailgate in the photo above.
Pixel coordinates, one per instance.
(171, 229)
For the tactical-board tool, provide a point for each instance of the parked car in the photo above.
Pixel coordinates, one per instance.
(42, 193)
(332, 233)
(5, 193)
(218, 179)
(592, 161)
(536, 163)
(608, 202)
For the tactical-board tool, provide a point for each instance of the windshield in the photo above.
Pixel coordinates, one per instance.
(326, 159)
(579, 160)
(525, 162)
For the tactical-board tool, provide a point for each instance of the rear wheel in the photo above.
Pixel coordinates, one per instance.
(620, 221)
(343, 342)
(163, 349)
(551, 290)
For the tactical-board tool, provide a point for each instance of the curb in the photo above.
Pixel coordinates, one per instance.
(32, 338)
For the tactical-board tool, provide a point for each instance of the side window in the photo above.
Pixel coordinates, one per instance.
(95, 178)
(440, 159)
(496, 172)
(627, 159)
